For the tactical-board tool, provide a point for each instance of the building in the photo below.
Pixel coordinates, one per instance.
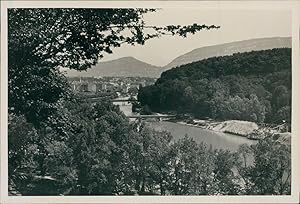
(83, 86)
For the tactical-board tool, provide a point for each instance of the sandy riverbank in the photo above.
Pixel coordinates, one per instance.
(237, 127)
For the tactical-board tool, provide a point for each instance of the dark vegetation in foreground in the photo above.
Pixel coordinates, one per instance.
(94, 150)
(60, 146)
(253, 86)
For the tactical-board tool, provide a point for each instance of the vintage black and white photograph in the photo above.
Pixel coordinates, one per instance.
(161, 101)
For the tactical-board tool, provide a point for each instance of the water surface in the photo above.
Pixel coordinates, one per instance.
(216, 139)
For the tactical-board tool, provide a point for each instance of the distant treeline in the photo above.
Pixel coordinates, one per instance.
(253, 86)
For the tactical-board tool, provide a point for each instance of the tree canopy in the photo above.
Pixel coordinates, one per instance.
(104, 154)
(60, 145)
(253, 86)
(41, 40)
(77, 38)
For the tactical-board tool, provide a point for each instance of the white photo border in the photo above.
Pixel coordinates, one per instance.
(293, 6)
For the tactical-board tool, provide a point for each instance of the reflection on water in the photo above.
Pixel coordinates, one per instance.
(216, 139)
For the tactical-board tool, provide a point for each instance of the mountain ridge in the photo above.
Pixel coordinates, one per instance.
(228, 49)
(125, 66)
(132, 67)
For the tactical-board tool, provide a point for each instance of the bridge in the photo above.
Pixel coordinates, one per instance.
(159, 117)
(122, 100)
(151, 116)
(112, 100)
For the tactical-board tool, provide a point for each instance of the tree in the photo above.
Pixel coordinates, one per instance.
(281, 97)
(44, 39)
(272, 168)
(226, 87)
(257, 109)
(283, 115)
(21, 152)
(203, 179)
(151, 162)
(244, 159)
(40, 42)
(224, 176)
(38, 160)
(193, 169)
(136, 106)
(146, 110)
(183, 164)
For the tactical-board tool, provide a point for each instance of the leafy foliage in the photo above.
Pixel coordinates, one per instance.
(41, 40)
(253, 86)
(271, 173)
(59, 146)
(103, 154)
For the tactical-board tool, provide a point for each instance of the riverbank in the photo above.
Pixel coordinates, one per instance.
(235, 127)
(217, 140)
(246, 129)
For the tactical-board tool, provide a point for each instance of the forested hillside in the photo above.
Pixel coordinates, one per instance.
(229, 49)
(253, 86)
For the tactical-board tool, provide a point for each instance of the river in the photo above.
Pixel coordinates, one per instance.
(215, 139)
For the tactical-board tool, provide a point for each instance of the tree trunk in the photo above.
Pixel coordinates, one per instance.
(143, 185)
(162, 189)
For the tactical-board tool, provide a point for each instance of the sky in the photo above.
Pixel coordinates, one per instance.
(236, 25)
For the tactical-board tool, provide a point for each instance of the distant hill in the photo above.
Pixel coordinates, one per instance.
(251, 86)
(124, 67)
(129, 66)
(229, 49)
